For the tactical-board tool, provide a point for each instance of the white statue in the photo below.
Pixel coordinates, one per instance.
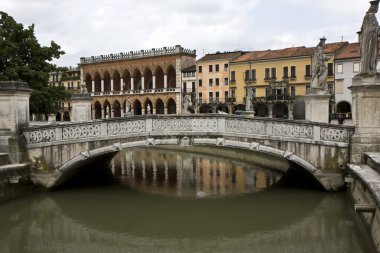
(186, 104)
(148, 109)
(248, 100)
(127, 105)
(319, 70)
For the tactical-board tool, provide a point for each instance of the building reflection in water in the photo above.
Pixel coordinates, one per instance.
(185, 174)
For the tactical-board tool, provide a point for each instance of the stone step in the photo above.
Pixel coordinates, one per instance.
(372, 159)
(4, 159)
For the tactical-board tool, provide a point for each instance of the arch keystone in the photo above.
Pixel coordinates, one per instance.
(254, 146)
(84, 155)
(220, 142)
(117, 146)
(150, 142)
(287, 154)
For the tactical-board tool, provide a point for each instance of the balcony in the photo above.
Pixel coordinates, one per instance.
(273, 98)
(338, 116)
(129, 92)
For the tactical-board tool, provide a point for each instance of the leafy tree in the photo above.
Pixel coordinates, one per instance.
(22, 58)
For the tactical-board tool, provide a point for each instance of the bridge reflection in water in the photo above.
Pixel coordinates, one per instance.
(176, 173)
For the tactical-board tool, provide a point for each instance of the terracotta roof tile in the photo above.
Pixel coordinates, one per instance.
(221, 56)
(287, 52)
(351, 51)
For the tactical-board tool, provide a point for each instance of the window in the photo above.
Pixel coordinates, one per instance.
(226, 94)
(331, 88)
(209, 68)
(193, 87)
(200, 83)
(232, 76)
(226, 81)
(273, 72)
(286, 73)
(184, 87)
(246, 75)
(339, 68)
(200, 69)
(210, 82)
(356, 67)
(233, 93)
(217, 96)
(293, 91)
(200, 96)
(217, 81)
(210, 96)
(267, 72)
(307, 71)
(217, 67)
(339, 87)
(293, 72)
(226, 67)
(253, 74)
(330, 68)
(254, 92)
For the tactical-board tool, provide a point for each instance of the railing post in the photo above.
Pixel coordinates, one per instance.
(103, 127)
(221, 124)
(316, 133)
(149, 125)
(268, 128)
(58, 133)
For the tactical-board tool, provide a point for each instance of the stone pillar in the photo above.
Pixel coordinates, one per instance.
(270, 110)
(14, 114)
(103, 113)
(366, 116)
(290, 111)
(317, 105)
(93, 114)
(154, 110)
(112, 113)
(154, 82)
(102, 85)
(111, 86)
(81, 107)
(142, 83)
(165, 81)
(121, 84)
(165, 110)
(132, 83)
(93, 86)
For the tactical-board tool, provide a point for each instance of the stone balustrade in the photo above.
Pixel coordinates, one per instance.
(137, 54)
(199, 125)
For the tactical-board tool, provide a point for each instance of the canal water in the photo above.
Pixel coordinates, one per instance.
(164, 200)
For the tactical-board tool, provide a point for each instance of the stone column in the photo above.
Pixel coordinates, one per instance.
(102, 85)
(154, 110)
(142, 83)
(111, 86)
(132, 83)
(366, 116)
(154, 82)
(93, 114)
(290, 111)
(165, 81)
(121, 85)
(103, 113)
(165, 110)
(112, 113)
(93, 86)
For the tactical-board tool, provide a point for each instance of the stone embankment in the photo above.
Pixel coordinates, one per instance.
(364, 187)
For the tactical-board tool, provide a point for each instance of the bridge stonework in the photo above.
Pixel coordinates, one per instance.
(323, 150)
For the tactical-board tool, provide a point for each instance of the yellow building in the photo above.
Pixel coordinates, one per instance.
(213, 81)
(277, 77)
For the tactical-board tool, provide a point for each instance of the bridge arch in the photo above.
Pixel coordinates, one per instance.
(105, 154)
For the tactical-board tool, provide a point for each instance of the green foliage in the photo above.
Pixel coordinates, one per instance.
(22, 58)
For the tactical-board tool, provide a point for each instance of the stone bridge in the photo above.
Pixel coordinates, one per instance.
(320, 150)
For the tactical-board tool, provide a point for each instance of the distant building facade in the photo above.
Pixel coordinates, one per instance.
(277, 78)
(149, 79)
(213, 75)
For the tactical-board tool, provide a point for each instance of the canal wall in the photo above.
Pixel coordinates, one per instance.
(364, 188)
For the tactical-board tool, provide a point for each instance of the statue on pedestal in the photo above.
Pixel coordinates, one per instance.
(186, 104)
(319, 69)
(248, 100)
(370, 31)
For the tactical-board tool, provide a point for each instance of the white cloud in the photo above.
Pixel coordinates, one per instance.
(94, 27)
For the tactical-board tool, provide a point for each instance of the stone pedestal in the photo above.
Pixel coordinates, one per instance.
(366, 116)
(14, 114)
(249, 114)
(317, 106)
(81, 107)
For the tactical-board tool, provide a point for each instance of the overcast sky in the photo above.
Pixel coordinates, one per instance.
(85, 28)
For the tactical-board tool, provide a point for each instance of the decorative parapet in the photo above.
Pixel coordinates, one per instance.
(137, 54)
(224, 125)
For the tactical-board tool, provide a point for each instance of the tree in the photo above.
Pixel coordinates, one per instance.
(22, 58)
